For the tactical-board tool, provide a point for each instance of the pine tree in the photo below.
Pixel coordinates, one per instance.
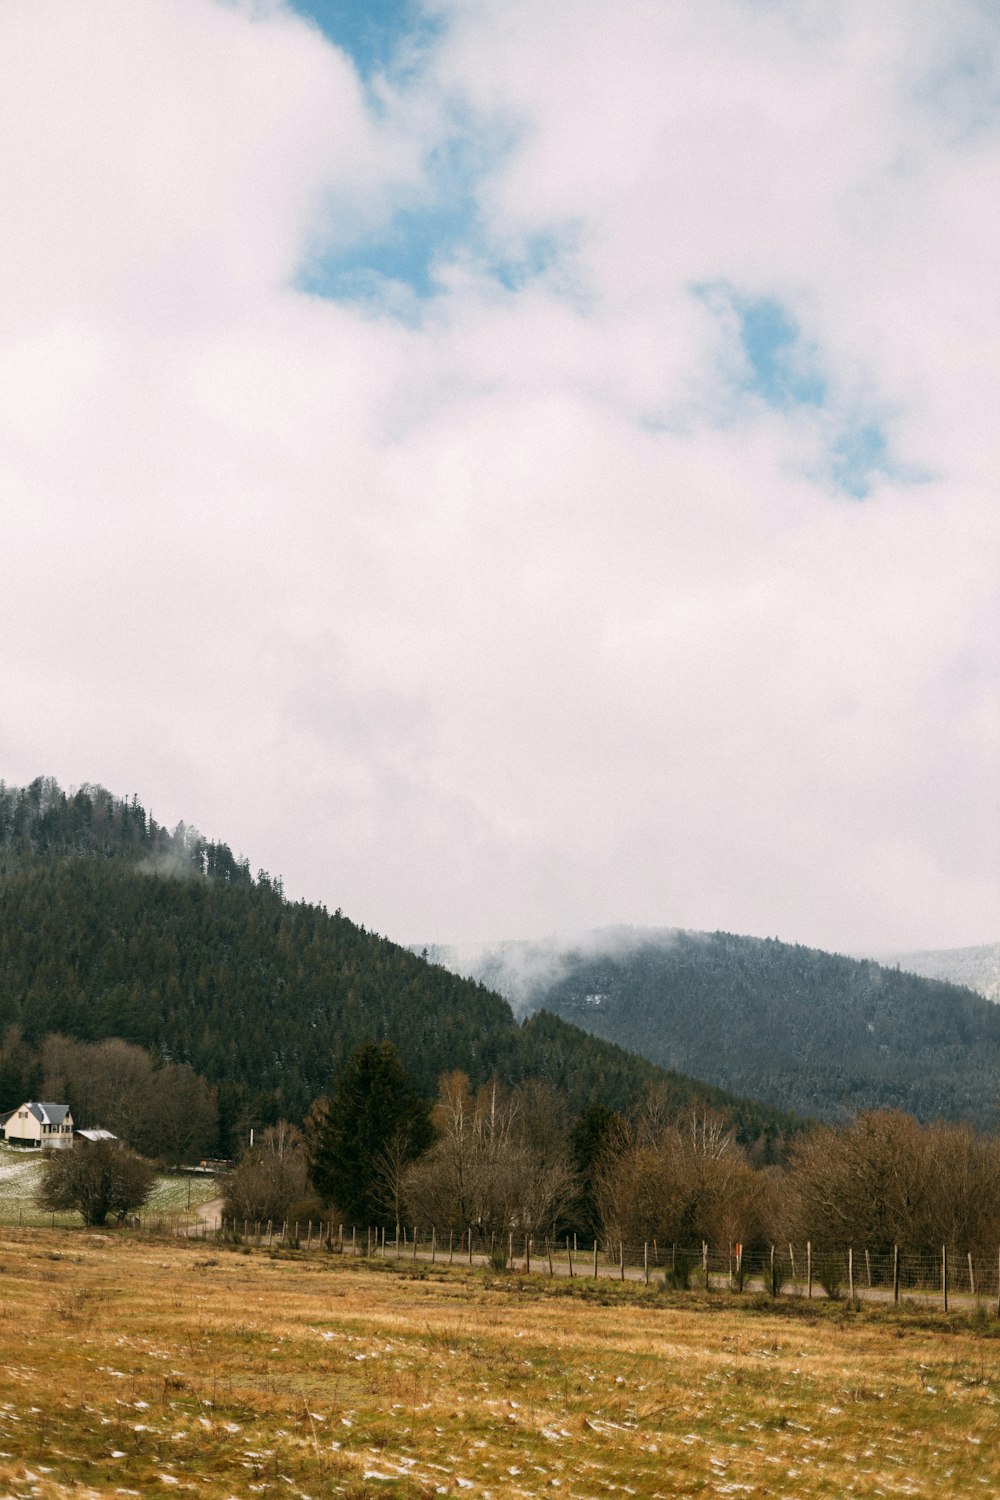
(373, 1111)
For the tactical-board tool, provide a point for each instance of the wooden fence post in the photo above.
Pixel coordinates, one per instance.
(868, 1267)
(621, 1257)
(414, 1242)
(944, 1276)
(704, 1260)
(527, 1252)
(791, 1257)
(972, 1276)
(510, 1249)
(470, 1244)
(548, 1252)
(569, 1255)
(850, 1273)
(895, 1274)
(773, 1287)
(809, 1268)
(645, 1260)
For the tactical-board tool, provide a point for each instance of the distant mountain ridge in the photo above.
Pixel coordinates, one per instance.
(805, 1030)
(976, 968)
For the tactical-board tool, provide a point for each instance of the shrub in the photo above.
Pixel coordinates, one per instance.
(498, 1255)
(830, 1275)
(774, 1277)
(678, 1277)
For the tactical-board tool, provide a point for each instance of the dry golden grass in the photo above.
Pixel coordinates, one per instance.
(136, 1367)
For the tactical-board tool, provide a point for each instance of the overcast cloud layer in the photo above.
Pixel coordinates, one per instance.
(534, 473)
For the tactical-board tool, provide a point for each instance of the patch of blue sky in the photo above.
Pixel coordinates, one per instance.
(438, 226)
(781, 367)
(410, 251)
(771, 360)
(859, 457)
(768, 358)
(375, 33)
(404, 259)
(415, 249)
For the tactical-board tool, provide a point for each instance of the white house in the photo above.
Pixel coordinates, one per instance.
(40, 1125)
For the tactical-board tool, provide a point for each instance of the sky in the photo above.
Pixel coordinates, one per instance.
(515, 466)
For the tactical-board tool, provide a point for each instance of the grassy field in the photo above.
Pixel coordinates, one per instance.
(133, 1366)
(20, 1174)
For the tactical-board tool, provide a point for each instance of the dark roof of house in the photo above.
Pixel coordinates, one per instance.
(49, 1114)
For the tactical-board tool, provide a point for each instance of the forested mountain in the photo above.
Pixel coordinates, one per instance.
(802, 1029)
(111, 926)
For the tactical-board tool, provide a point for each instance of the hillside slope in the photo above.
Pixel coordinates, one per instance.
(802, 1029)
(264, 997)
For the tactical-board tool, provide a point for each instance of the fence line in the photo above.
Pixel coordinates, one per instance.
(887, 1275)
(807, 1271)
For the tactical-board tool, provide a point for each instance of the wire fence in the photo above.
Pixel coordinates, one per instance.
(945, 1277)
(890, 1275)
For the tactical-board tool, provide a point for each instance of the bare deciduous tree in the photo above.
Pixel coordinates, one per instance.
(99, 1181)
(885, 1180)
(501, 1161)
(677, 1178)
(166, 1112)
(271, 1179)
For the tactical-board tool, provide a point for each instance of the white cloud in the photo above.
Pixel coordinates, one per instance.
(514, 615)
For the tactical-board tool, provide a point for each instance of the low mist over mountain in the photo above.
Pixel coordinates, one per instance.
(110, 925)
(802, 1029)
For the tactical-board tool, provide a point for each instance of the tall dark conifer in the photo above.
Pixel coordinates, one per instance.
(373, 1114)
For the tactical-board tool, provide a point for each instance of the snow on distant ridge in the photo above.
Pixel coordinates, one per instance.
(978, 968)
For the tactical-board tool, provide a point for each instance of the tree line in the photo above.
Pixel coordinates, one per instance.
(161, 1109)
(519, 1160)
